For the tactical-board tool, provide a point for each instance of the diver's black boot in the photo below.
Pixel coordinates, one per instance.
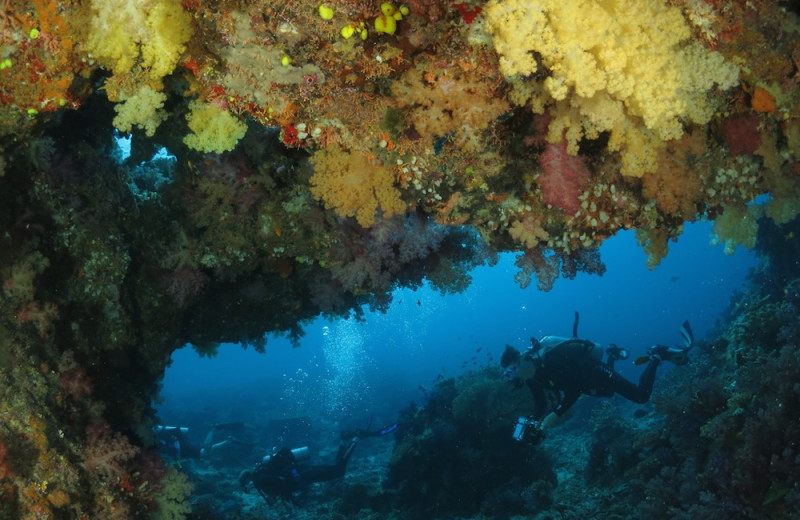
(345, 451)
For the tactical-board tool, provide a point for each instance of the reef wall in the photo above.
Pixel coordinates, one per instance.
(319, 156)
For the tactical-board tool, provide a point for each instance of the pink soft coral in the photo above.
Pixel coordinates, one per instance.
(183, 284)
(73, 379)
(563, 177)
(106, 453)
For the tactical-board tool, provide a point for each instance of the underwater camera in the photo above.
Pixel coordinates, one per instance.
(528, 430)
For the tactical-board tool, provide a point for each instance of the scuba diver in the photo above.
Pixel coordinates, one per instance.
(174, 442)
(558, 370)
(279, 475)
(223, 442)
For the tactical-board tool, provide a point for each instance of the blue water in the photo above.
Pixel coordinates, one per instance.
(346, 371)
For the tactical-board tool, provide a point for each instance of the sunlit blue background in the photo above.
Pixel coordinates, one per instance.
(346, 371)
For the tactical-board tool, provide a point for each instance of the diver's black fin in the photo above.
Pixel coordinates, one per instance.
(575, 325)
(345, 451)
(230, 426)
(687, 335)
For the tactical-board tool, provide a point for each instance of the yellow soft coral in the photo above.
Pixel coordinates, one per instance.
(213, 129)
(143, 109)
(737, 226)
(148, 33)
(622, 66)
(169, 29)
(347, 183)
(172, 496)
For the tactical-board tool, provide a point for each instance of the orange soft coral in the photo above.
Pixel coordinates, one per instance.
(528, 231)
(677, 185)
(451, 99)
(349, 184)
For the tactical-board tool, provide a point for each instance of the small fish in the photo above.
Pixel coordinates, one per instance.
(419, 303)
(478, 349)
(641, 360)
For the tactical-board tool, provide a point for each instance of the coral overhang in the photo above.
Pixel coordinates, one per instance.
(269, 113)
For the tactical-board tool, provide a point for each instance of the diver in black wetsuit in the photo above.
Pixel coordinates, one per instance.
(280, 475)
(559, 370)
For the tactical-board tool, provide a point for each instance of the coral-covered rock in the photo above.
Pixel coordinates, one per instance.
(741, 134)
(440, 122)
(456, 453)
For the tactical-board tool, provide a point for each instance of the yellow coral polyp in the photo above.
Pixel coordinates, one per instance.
(325, 12)
(387, 9)
(350, 29)
(386, 22)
